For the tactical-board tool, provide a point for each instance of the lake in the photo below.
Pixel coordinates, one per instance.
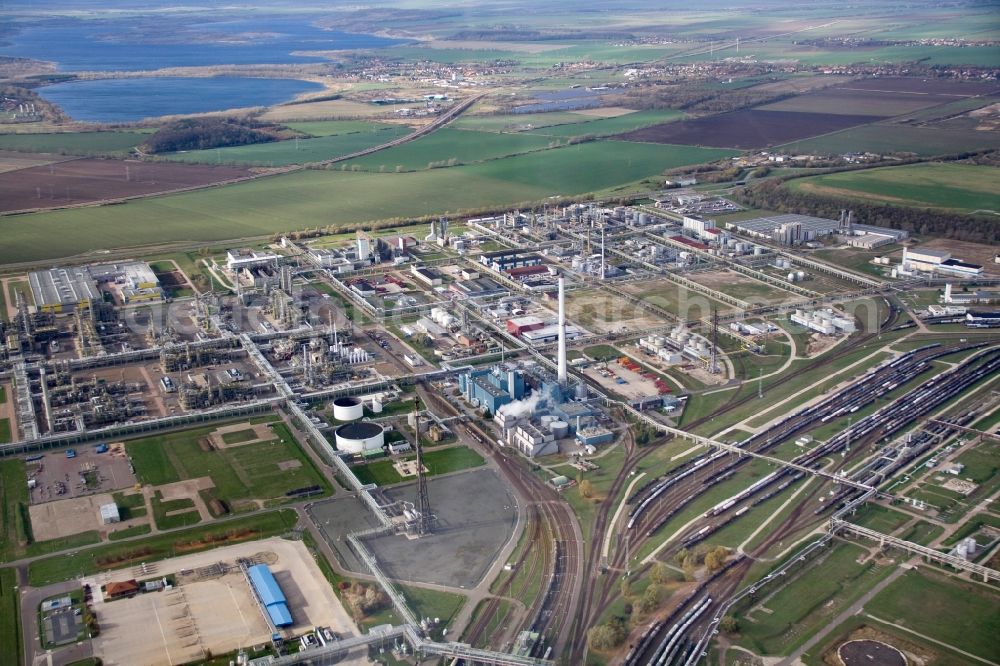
(187, 40)
(127, 100)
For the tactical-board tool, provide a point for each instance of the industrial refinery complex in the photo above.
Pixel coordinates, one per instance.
(477, 442)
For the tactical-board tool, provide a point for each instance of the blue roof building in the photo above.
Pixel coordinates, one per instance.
(492, 388)
(270, 595)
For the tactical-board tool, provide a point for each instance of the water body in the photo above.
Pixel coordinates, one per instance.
(140, 43)
(128, 100)
(563, 100)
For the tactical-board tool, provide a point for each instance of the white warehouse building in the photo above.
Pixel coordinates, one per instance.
(825, 321)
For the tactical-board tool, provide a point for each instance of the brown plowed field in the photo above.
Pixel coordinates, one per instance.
(949, 87)
(88, 180)
(746, 129)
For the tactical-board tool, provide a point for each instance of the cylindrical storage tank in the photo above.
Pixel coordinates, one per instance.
(376, 406)
(559, 429)
(359, 437)
(791, 277)
(348, 409)
(547, 420)
(800, 276)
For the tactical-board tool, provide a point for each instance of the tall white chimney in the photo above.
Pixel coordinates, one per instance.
(562, 332)
(602, 253)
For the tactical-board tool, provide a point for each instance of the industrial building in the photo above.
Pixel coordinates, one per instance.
(479, 287)
(492, 388)
(549, 333)
(109, 514)
(533, 441)
(937, 261)
(63, 289)
(594, 436)
(981, 319)
(247, 258)
(269, 595)
(969, 297)
(792, 229)
(825, 321)
(428, 276)
(505, 260)
(703, 229)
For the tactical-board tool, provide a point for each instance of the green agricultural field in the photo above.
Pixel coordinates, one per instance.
(920, 598)
(959, 187)
(319, 198)
(10, 610)
(609, 126)
(240, 472)
(281, 153)
(450, 147)
(5, 433)
(892, 138)
(113, 556)
(320, 128)
(73, 143)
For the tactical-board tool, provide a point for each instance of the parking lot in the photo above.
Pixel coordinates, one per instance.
(57, 476)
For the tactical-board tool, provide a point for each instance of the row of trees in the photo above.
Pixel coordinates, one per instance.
(774, 194)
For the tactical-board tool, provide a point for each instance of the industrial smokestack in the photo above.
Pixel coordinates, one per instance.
(562, 332)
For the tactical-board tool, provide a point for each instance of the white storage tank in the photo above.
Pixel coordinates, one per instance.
(791, 277)
(348, 409)
(376, 406)
(559, 429)
(800, 276)
(359, 437)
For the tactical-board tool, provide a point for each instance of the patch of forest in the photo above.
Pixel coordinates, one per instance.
(213, 132)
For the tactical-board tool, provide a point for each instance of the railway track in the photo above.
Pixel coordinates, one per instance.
(598, 600)
(565, 585)
(535, 535)
(809, 510)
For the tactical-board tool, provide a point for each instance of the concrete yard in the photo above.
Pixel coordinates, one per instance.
(336, 518)
(53, 520)
(105, 471)
(476, 516)
(216, 613)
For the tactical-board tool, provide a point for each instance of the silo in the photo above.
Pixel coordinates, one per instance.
(559, 429)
